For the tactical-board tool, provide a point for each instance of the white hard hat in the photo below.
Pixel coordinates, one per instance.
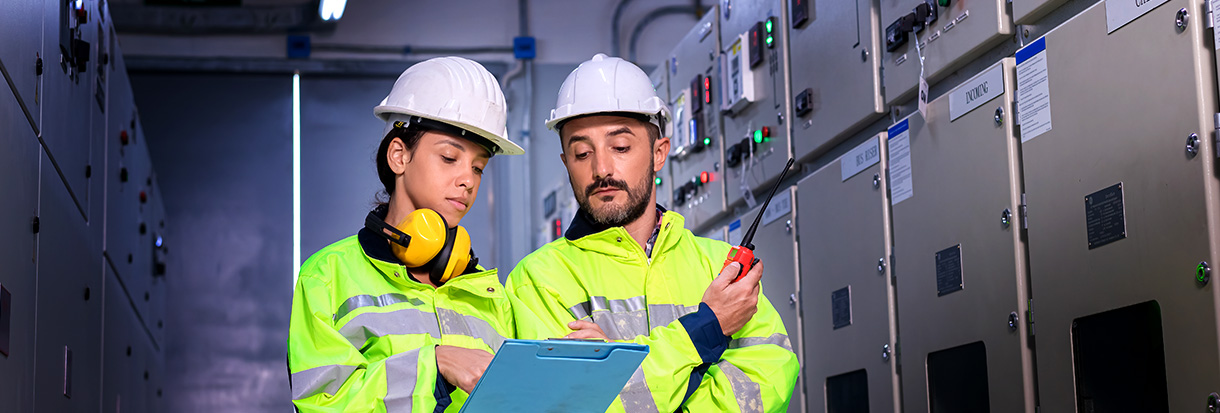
(453, 91)
(609, 84)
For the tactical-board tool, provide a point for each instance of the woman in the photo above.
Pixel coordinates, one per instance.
(397, 316)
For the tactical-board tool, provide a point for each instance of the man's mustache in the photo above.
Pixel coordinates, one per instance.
(605, 183)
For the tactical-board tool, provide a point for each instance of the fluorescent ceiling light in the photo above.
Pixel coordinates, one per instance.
(332, 9)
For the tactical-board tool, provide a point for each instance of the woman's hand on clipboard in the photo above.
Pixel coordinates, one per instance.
(462, 367)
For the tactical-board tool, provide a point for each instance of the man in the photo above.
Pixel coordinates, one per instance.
(627, 270)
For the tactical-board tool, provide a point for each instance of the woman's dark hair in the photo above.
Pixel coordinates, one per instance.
(410, 135)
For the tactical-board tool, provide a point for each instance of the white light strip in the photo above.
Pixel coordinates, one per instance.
(296, 177)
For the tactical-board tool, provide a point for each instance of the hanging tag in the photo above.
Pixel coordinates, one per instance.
(923, 97)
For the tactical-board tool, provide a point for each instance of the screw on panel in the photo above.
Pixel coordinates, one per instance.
(792, 299)
(885, 353)
(788, 226)
(999, 116)
(1192, 145)
(1012, 321)
(1006, 218)
(1182, 20)
(779, 117)
(881, 265)
(876, 181)
(864, 55)
(1213, 403)
(1203, 273)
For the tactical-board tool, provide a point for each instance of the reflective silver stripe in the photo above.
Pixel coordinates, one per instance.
(365, 300)
(400, 375)
(776, 339)
(324, 379)
(406, 321)
(664, 314)
(600, 303)
(635, 395)
(453, 322)
(624, 325)
(747, 392)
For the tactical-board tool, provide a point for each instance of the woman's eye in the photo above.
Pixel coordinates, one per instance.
(478, 170)
(448, 159)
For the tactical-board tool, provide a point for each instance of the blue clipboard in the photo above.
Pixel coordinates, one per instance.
(555, 376)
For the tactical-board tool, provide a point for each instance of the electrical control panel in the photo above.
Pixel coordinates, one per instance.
(696, 164)
(754, 104)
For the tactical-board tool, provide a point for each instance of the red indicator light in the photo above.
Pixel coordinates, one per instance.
(705, 177)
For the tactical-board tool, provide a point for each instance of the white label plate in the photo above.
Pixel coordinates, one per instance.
(780, 206)
(1121, 12)
(975, 92)
(862, 157)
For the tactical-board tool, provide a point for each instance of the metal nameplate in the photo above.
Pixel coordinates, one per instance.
(949, 270)
(840, 307)
(1105, 217)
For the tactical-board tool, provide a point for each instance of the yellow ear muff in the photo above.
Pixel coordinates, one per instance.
(427, 230)
(459, 256)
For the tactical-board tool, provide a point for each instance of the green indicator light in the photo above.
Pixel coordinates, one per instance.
(658, 180)
(770, 40)
(707, 141)
(768, 26)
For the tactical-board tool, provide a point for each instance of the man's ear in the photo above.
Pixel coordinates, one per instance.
(660, 154)
(397, 156)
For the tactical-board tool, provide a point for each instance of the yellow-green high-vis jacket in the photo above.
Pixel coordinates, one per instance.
(604, 276)
(363, 334)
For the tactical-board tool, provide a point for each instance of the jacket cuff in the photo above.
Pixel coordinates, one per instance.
(441, 392)
(704, 330)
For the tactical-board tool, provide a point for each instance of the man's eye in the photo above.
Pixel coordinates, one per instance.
(582, 155)
(622, 149)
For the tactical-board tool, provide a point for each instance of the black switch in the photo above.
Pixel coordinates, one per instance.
(804, 102)
(921, 16)
(732, 156)
(896, 33)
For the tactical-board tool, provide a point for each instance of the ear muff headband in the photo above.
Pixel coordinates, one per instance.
(423, 240)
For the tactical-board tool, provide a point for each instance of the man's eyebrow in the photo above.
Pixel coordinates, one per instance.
(577, 138)
(621, 131)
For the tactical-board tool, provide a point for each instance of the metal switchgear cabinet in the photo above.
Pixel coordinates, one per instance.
(836, 71)
(73, 98)
(19, 167)
(1124, 215)
(70, 294)
(951, 34)
(959, 260)
(1028, 11)
(775, 246)
(848, 299)
(21, 29)
(695, 155)
(754, 97)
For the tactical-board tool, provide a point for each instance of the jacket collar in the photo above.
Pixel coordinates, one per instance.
(582, 225)
(375, 246)
(584, 235)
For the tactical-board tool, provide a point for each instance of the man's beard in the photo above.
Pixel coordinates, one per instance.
(617, 215)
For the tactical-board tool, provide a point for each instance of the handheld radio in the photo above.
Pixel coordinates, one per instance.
(744, 253)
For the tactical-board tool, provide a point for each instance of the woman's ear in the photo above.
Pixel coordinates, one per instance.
(397, 156)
